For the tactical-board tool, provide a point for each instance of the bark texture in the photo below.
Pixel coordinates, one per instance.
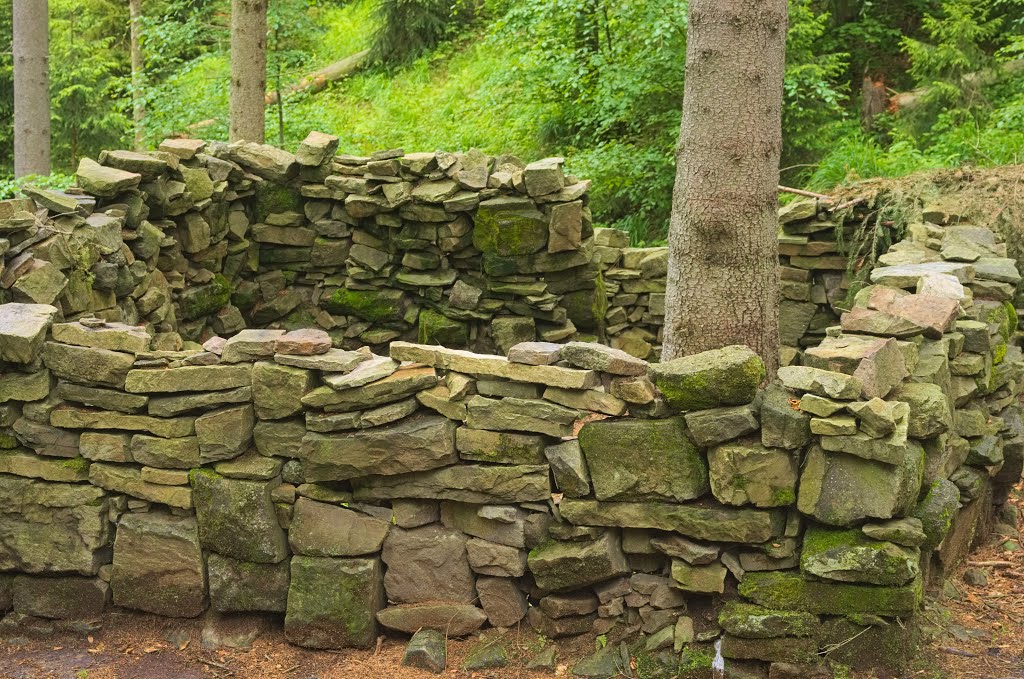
(138, 108)
(31, 50)
(723, 251)
(248, 69)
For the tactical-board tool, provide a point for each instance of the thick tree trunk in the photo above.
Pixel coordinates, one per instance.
(31, 87)
(248, 69)
(138, 108)
(723, 252)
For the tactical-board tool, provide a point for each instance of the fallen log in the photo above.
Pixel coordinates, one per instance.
(318, 80)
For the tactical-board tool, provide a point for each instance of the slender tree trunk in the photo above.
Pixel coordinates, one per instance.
(248, 69)
(723, 251)
(31, 87)
(138, 108)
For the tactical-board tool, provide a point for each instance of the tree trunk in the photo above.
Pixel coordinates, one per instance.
(723, 283)
(138, 108)
(31, 87)
(248, 69)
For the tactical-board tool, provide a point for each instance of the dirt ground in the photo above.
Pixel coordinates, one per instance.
(975, 632)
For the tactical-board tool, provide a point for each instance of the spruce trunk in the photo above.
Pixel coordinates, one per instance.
(31, 49)
(248, 69)
(723, 250)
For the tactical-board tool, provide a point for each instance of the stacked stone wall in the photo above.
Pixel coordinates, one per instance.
(682, 508)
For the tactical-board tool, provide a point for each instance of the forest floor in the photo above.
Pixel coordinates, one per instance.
(974, 632)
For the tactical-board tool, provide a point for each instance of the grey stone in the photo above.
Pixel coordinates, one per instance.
(345, 620)
(244, 586)
(453, 619)
(319, 529)
(158, 565)
(236, 518)
(427, 564)
(22, 330)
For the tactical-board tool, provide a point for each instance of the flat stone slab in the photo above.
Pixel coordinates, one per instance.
(716, 524)
(23, 329)
(188, 378)
(453, 618)
(496, 366)
(478, 484)
(112, 336)
(908, 275)
(411, 445)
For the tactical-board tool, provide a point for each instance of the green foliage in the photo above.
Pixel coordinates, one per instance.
(408, 28)
(597, 82)
(10, 188)
(88, 103)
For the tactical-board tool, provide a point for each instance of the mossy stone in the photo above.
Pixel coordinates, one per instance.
(203, 300)
(788, 590)
(720, 377)
(561, 566)
(509, 228)
(643, 460)
(436, 328)
(756, 622)
(333, 603)
(237, 518)
(371, 305)
(936, 511)
(274, 197)
(887, 647)
(851, 556)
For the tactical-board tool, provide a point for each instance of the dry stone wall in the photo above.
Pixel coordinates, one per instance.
(200, 239)
(682, 509)
(466, 250)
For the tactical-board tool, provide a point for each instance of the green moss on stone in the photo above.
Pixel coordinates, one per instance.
(370, 305)
(783, 497)
(756, 622)
(436, 328)
(509, 233)
(273, 197)
(204, 300)
(788, 590)
(78, 464)
(727, 376)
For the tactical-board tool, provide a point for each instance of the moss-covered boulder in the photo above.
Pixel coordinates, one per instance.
(237, 518)
(508, 227)
(643, 460)
(788, 590)
(371, 305)
(333, 603)
(721, 377)
(851, 556)
(561, 566)
(756, 622)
